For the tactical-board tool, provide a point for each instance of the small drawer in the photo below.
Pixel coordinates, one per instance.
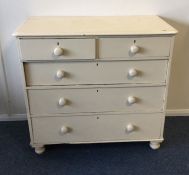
(143, 47)
(99, 128)
(104, 72)
(80, 100)
(57, 49)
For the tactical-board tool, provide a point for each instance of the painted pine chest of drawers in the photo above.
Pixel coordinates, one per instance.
(95, 79)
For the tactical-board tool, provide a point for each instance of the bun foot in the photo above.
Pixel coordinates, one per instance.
(39, 150)
(155, 145)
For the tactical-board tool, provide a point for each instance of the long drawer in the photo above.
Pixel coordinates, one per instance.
(101, 128)
(57, 49)
(134, 47)
(108, 72)
(74, 100)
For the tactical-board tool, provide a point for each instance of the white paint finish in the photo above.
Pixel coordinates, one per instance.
(60, 26)
(120, 47)
(43, 49)
(39, 149)
(95, 86)
(99, 128)
(155, 145)
(134, 49)
(96, 100)
(67, 100)
(58, 51)
(176, 14)
(59, 74)
(95, 72)
(168, 72)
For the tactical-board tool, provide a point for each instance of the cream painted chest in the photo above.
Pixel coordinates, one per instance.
(95, 79)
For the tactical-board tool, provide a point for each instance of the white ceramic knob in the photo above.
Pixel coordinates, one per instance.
(130, 127)
(132, 72)
(61, 101)
(60, 74)
(58, 51)
(131, 99)
(134, 49)
(64, 130)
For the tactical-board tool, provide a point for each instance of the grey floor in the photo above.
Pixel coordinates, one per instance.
(17, 158)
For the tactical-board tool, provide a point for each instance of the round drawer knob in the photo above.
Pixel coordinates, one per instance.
(134, 49)
(64, 129)
(62, 101)
(60, 74)
(58, 51)
(130, 127)
(131, 99)
(132, 72)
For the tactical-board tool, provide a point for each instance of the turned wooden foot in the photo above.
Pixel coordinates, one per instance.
(39, 150)
(155, 145)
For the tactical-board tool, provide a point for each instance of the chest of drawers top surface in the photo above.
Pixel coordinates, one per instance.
(83, 26)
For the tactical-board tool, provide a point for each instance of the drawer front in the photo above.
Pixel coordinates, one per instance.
(57, 49)
(95, 72)
(74, 100)
(134, 47)
(101, 128)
